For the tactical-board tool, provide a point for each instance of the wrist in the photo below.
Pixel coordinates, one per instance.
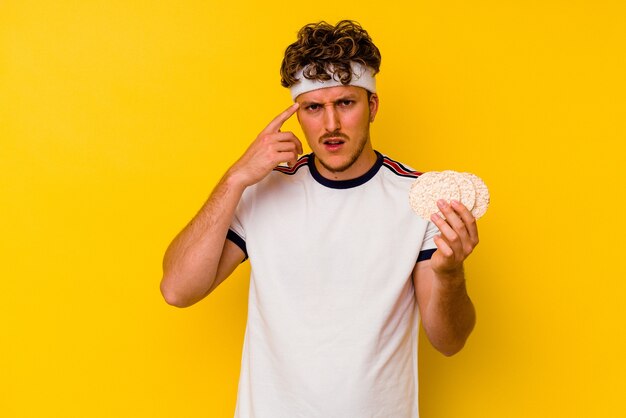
(234, 179)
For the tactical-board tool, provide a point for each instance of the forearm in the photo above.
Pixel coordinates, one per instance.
(199, 257)
(450, 316)
(191, 261)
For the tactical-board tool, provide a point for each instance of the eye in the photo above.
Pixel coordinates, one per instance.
(312, 107)
(345, 102)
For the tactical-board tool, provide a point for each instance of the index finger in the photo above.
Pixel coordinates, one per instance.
(277, 122)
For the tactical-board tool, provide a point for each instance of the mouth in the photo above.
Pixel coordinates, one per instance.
(333, 143)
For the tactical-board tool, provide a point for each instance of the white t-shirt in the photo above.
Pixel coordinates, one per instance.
(332, 316)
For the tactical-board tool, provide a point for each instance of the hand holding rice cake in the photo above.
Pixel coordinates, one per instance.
(467, 188)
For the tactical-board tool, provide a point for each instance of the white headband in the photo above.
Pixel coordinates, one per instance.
(361, 77)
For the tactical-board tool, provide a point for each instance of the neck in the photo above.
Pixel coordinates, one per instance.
(362, 163)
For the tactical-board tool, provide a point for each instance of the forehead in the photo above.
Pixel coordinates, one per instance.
(330, 94)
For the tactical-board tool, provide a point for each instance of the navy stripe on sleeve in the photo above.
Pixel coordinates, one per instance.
(238, 241)
(425, 255)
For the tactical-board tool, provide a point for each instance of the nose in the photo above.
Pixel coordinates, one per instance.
(331, 119)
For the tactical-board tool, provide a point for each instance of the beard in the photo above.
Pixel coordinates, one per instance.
(351, 159)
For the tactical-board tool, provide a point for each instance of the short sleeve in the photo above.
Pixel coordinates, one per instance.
(236, 232)
(428, 244)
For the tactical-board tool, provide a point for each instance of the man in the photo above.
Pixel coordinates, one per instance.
(341, 269)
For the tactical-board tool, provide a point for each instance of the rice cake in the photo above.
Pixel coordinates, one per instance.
(467, 188)
(428, 188)
(482, 195)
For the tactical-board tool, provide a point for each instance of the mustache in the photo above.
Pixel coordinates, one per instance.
(335, 134)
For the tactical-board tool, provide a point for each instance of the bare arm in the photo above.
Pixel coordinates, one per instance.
(200, 257)
(194, 257)
(447, 313)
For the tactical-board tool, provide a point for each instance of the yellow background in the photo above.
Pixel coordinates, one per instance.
(118, 117)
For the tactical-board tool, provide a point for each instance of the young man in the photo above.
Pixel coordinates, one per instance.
(341, 269)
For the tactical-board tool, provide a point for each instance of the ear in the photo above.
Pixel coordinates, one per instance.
(373, 104)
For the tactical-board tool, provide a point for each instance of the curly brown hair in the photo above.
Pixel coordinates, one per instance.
(326, 51)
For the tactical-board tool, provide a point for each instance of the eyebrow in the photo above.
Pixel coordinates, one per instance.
(348, 96)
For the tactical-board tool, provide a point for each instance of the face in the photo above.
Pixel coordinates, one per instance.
(336, 121)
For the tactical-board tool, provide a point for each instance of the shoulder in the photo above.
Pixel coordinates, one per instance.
(281, 177)
(280, 181)
(397, 169)
(302, 162)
